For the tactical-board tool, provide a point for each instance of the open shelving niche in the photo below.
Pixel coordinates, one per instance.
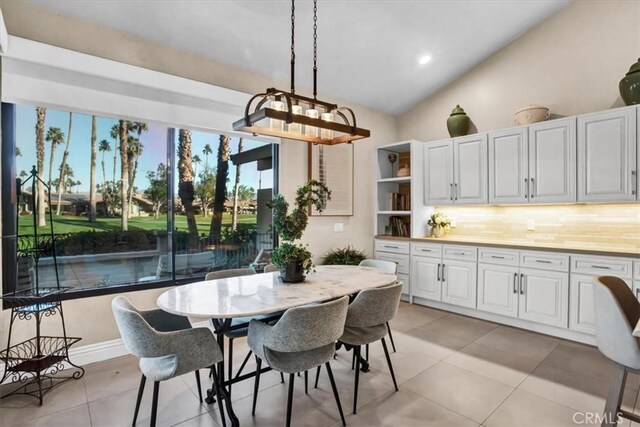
(386, 182)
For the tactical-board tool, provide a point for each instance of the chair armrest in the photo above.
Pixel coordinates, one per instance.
(258, 335)
(163, 321)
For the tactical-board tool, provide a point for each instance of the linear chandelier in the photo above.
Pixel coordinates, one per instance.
(288, 115)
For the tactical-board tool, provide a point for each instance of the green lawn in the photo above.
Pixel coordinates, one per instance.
(70, 224)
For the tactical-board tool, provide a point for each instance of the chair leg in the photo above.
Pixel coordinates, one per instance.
(335, 392)
(353, 358)
(317, 377)
(614, 398)
(256, 385)
(143, 380)
(199, 386)
(386, 353)
(393, 344)
(230, 365)
(306, 382)
(216, 388)
(356, 353)
(366, 352)
(154, 403)
(290, 398)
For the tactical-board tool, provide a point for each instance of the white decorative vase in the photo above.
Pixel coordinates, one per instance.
(437, 231)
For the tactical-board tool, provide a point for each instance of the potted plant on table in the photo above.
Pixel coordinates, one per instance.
(439, 223)
(294, 259)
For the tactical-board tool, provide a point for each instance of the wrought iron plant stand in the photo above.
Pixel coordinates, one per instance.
(41, 363)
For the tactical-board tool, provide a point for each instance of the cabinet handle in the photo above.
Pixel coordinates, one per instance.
(522, 284)
(533, 187)
(498, 257)
(604, 267)
(425, 250)
(633, 182)
(459, 253)
(515, 283)
(443, 273)
(451, 191)
(438, 272)
(455, 191)
(637, 292)
(391, 247)
(544, 261)
(526, 183)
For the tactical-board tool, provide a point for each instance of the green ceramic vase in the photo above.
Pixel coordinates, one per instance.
(458, 122)
(630, 85)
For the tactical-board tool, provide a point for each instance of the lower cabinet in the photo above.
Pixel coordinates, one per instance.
(537, 295)
(404, 278)
(498, 289)
(459, 283)
(581, 310)
(425, 278)
(544, 297)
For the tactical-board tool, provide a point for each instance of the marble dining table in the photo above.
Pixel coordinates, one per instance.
(223, 300)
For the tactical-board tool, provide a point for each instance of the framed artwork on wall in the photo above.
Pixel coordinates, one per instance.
(333, 165)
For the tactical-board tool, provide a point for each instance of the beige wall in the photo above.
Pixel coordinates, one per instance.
(571, 63)
(91, 318)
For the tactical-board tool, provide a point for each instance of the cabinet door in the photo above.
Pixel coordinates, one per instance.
(438, 173)
(498, 289)
(544, 297)
(552, 162)
(459, 283)
(470, 170)
(607, 156)
(425, 278)
(581, 310)
(508, 167)
(406, 288)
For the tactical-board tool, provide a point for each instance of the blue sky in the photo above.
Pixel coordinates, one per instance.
(154, 149)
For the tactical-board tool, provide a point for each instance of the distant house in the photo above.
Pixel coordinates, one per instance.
(78, 204)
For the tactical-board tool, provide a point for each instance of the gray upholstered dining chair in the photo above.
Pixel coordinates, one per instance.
(617, 312)
(303, 338)
(271, 268)
(167, 346)
(387, 267)
(366, 323)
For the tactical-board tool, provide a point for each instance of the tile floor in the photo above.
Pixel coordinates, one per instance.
(452, 370)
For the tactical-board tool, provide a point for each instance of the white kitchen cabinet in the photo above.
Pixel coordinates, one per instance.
(438, 173)
(498, 289)
(425, 278)
(398, 253)
(470, 170)
(581, 309)
(508, 167)
(544, 297)
(607, 156)
(459, 283)
(552, 161)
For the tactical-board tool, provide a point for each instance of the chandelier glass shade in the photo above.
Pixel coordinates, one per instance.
(283, 114)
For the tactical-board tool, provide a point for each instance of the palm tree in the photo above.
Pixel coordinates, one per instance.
(56, 137)
(40, 117)
(103, 147)
(236, 187)
(222, 174)
(23, 174)
(123, 135)
(206, 151)
(63, 165)
(92, 181)
(196, 161)
(185, 184)
(138, 128)
(18, 152)
(115, 134)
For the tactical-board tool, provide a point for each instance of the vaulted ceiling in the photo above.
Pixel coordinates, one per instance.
(369, 52)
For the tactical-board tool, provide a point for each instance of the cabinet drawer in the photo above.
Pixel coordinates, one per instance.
(392, 246)
(544, 261)
(498, 256)
(463, 253)
(404, 278)
(426, 249)
(602, 266)
(401, 260)
(636, 269)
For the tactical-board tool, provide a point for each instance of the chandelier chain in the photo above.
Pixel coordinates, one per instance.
(293, 46)
(315, 49)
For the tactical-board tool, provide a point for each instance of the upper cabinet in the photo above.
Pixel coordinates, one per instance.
(456, 171)
(607, 156)
(534, 164)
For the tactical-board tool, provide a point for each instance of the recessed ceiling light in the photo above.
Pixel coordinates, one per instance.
(424, 59)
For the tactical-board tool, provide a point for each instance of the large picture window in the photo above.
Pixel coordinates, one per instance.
(133, 204)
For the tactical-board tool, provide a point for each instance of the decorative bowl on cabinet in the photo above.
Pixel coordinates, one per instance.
(532, 113)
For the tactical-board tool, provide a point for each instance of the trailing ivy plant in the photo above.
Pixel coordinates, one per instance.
(291, 226)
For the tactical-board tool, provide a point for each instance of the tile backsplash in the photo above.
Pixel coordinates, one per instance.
(610, 226)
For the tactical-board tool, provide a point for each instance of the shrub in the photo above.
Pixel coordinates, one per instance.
(344, 256)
